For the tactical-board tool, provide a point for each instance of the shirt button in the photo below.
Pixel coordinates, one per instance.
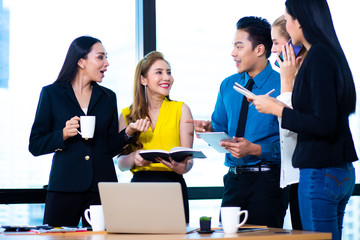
(87, 158)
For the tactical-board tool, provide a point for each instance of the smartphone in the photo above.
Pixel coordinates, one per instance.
(297, 49)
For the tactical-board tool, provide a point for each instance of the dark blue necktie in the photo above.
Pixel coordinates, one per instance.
(244, 111)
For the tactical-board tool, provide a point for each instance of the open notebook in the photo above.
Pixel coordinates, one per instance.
(143, 207)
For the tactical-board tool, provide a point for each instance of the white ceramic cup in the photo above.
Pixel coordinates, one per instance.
(87, 126)
(96, 218)
(230, 217)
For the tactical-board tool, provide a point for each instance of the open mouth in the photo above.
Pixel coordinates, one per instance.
(165, 85)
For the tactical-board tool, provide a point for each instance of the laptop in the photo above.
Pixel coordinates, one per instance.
(143, 207)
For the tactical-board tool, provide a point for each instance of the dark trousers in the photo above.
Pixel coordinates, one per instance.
(162, 176)
(67, 208)
(260, 194)
(294, 207)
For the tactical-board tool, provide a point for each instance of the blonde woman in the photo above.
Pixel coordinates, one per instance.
(289, 176)
(164, 125)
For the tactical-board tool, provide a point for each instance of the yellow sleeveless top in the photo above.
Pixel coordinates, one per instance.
(165, 136)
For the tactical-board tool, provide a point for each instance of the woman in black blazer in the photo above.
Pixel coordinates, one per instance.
(79, 164)
(323, 98)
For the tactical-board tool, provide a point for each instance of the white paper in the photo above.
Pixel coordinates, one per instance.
(242, 90)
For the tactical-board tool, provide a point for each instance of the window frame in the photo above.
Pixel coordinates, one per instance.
(145, 42)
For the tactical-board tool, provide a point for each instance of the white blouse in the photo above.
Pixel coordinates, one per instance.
(288, 139)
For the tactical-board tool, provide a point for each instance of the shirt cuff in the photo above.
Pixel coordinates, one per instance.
(128, 139)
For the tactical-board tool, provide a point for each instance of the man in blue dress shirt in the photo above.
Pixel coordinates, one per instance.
(254, 159)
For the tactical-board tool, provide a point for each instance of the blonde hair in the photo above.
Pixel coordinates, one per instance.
(139, 107)
(281, 23)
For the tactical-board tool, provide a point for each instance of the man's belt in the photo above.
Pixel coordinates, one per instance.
(256, 168)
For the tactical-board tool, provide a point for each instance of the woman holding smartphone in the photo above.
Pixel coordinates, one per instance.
(323, 98)
(289, 176)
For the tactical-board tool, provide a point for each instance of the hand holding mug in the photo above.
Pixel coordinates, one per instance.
(71, 127)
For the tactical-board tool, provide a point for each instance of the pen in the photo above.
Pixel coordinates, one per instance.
(270, 92)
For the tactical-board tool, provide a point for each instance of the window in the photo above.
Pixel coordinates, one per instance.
(4, 46)
(40, 33)
(196, 38)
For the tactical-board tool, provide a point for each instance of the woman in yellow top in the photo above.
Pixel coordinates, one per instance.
(163, 122)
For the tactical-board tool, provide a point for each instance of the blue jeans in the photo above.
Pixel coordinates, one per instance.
(323, 195)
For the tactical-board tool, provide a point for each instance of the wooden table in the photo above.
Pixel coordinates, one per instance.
(264, 234)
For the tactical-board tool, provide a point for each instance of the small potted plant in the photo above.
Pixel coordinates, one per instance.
(205, 224)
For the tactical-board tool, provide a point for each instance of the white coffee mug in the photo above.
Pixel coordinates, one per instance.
(96, 218)
(230, 217)
(87, 126)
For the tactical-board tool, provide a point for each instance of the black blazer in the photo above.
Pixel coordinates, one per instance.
(78, 164)
(324, 137)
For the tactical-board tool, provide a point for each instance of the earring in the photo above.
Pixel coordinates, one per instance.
(145, 93)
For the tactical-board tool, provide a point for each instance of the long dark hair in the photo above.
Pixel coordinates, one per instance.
(317, 26)
(78, 49)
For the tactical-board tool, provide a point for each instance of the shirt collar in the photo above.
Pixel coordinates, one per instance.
(261, 78)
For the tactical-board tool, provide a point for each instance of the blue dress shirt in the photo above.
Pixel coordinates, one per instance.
(261, 129)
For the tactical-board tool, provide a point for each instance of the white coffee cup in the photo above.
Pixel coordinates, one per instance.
(230, 217)
(87, 126)
(96, 218)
